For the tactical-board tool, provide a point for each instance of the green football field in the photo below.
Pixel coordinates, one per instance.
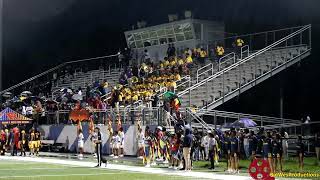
(18, 170)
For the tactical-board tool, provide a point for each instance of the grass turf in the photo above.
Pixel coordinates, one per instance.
(18, 170)
(290, 165)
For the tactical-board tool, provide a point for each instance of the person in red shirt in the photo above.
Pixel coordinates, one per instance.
(2, 142)
(16, 139)
(174, 148)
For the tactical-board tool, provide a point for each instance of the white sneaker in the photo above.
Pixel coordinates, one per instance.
(111, 155)
(175, 168)
(153, 164)
(170, 167)
(166, 162)
(147, 166)
(121, 155)
(116, 157)
(140, 157)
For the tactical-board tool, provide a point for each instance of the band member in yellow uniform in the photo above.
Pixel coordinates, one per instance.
(37, 142)
(23, 142)
(32, 142)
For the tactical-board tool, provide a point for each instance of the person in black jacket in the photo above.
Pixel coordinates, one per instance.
(300, 152)
(277, 152)
(97, 139)
(187, 144)
(253, 143)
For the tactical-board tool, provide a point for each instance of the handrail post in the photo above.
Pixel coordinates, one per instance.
(211, 68)
(143, 118)
(197, 75)
(215, 120)
(310, 37)
(266, 43)
(207, 94)
(223, 86)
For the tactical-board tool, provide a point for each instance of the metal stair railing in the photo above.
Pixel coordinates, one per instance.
(203, 82)
(184, 81)
(225, 59)
(245, 50)
(55, 69)
(238, 116)
(262, 121)
(195, 116)
(199, 73)
(270, 71)
(250, 39)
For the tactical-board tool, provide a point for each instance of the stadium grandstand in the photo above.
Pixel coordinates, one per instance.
(171, 77)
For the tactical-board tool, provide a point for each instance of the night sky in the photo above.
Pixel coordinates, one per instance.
(39, 34)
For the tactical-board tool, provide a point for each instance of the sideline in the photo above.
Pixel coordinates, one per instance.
(129, 168)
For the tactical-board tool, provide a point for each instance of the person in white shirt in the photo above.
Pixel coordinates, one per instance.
(140, 138)
(116, 144)
(24, 111)
(121, 135)
(205, 144)
(284, 136)
(29, 111)
(80, 144)
(80, 92)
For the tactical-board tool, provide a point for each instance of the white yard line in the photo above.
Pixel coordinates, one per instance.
(57, 175)
(24, 169)
(131, 168)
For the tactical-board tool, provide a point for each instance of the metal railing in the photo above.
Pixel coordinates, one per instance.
(209, 69)
(62, 67)
(128, 115)
(191, 116)
(184, 82)
(271, 68)
(244, 51)
(214, 119)
(231, 57)
(205, 70)
(252, 56)
(224, 117)
(256, 41)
